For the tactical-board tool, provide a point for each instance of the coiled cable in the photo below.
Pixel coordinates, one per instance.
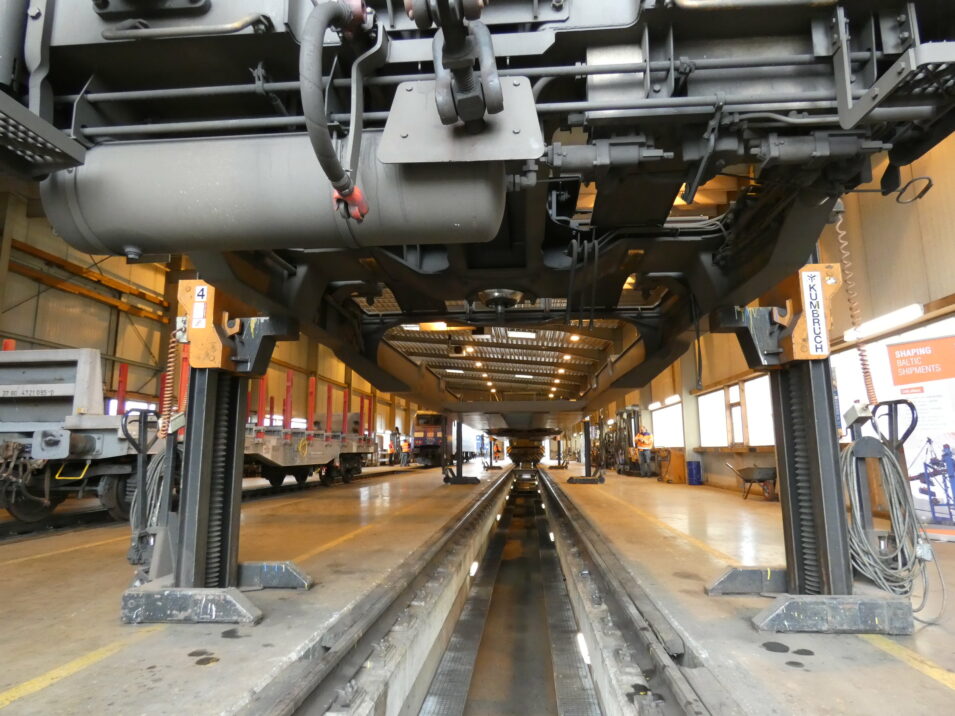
(901, 563)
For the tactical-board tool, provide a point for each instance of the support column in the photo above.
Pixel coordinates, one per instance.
(456, 476)
(197, 576)
(807, 459)
(587, 448)
(588, 478)
(815, 586)
(459, 447)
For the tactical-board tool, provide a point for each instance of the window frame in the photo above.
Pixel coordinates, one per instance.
(741, 404)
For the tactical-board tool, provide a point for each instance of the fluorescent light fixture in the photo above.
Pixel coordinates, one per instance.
(655, 406)
(521, 334)
(575, 338)
(469, 349)
(489, 383)
(561, 371)
(454, 370)
(474, 568)
(484, 375)
(493, 390)
(551, 535)
(582, 646)
(610, 421)
(523, 375)
(566, 356)
(887, 322)
(434, 326)
(556, 380)
(410, 327)
(498, 518)
(672, 400)
(479, 364)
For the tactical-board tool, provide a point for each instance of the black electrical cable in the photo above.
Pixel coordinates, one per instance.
(581, 306)
(593, 288)
(570, 283)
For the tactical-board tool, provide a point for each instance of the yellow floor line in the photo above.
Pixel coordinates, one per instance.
(72, 667)
(43, 555)
(916, 661)
(712, 551)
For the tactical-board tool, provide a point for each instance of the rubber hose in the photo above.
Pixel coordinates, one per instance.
(319, 20)
(570, 282)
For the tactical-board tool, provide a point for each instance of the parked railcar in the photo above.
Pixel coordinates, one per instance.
(57, 442)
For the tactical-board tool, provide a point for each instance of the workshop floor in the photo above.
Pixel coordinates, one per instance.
(675, 539)
(65, 650)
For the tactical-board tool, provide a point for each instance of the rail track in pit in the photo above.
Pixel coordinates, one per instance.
(12, 530)
(516, 606)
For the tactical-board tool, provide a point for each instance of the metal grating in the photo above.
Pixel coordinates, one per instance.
(30, 146)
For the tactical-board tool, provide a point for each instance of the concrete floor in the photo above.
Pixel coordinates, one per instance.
(675, 539)
(65, 650)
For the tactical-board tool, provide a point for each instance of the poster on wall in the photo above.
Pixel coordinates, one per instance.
(918, 366)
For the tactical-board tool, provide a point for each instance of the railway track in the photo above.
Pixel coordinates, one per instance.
(515, 607)
(12, 530)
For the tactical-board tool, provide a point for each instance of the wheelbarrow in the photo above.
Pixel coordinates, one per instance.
(765, 477)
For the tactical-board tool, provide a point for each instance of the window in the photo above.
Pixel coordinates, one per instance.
(735, 419)
(759, 411)
(668, 426)
(113, 406)
(737, 415)
(712, 409)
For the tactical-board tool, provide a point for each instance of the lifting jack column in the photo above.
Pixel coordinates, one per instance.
(815, 587)
(192, 572)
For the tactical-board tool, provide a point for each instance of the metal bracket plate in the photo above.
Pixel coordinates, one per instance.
(31, 147)
(414, 133)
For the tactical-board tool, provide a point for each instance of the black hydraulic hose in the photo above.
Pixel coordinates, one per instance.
(324, 15)
(570, 283)
(582, 304)
(593, 289)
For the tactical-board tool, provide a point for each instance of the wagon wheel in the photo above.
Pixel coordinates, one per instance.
(27, 510)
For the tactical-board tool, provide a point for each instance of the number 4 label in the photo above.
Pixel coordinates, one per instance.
(202, 294)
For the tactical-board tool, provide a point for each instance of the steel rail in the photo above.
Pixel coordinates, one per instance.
(316, 675)
(58, 522)
(656, 66)
(650, 628)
